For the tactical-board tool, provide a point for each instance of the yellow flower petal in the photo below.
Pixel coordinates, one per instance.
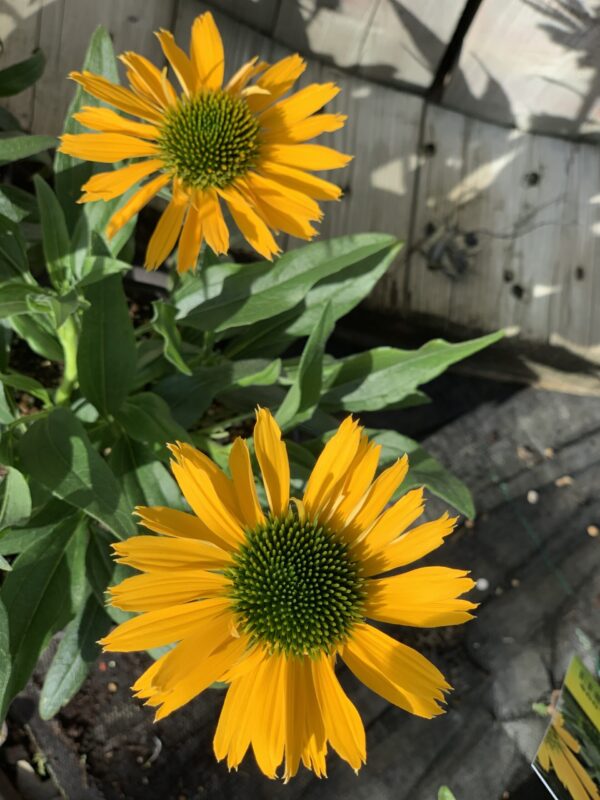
(425, 597)
(410, 547)
(300, 105)
(155, 590)
(268, 726)
(151, 81)
(305, 738)
(376, 499)
(208, 491)
(170, 522)
(179, 61)
(105, 148)
(193, 666)
(304, 130)
(240, 468)
(272, 192)
(271, 453)
(135, 204)
(234, 729)
(190, 242)
(213, 224)
(305, 156)
(244, 74)
(391, 523)
(164, 626)
(118, 96)
(276, 217)
(277, 80)
(166, 233)
(153, 554)
(108, 185)
(396, 672)
(343, 724)
(107, 120)
(304, 182)
(250, 224)
(331, 468)
(358, 479)
(207, 53)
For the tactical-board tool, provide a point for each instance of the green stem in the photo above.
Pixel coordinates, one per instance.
(68, 336)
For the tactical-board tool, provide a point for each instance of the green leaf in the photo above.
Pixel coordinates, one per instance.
(96, 268)
(77, 651)
(38, 334)
(147, 418)
(14, 297)
(13, 252)
(144, 480)
(56, 452)
(4, 565)
(344, 290)
(14, 148)
(24, 383)
(59, 309)
(55, 237)
(424, 470)
(37, 600)
(70, 172)
(106, 358)
(163, 322)
(103, 571)
(189, 397)
(16, 78)
(445, 794)
(254, 292)
(383, 377)
(15, 499)
(15, 540)
(5, 657)
(18, 205)
(303, 395)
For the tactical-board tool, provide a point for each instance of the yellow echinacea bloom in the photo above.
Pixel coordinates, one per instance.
(236, 143)
(558, 752)
(266, 601)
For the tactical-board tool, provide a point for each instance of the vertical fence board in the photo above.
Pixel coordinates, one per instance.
(19, 37)
(66, 28)
(533, 63)
(507, 222)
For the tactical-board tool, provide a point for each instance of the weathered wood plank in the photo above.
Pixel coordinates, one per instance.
(506, 232)
(19, 35)
(535, 64)
(258, 14)
(390, 41)
(66, 27)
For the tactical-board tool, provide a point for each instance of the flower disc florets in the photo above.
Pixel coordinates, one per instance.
(210, 139)
(296, 587)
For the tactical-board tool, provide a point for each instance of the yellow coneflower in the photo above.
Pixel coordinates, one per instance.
(558, 752)
(266, 601)
(239, 144)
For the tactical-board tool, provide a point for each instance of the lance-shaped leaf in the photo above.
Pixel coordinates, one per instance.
(106, 357)
(56, 452)
(303, 395)
(254, 292)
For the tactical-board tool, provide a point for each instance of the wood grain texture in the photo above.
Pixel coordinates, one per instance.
(19, 35)
(506, 232)
(65, 30)
(533, 63)
(388, 41)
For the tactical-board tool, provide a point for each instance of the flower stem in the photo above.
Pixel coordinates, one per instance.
(68, 336)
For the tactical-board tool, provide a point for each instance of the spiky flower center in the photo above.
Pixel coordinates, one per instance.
(296, 587)
(209, 140)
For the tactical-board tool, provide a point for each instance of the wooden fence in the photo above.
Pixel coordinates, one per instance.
(495, 186)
